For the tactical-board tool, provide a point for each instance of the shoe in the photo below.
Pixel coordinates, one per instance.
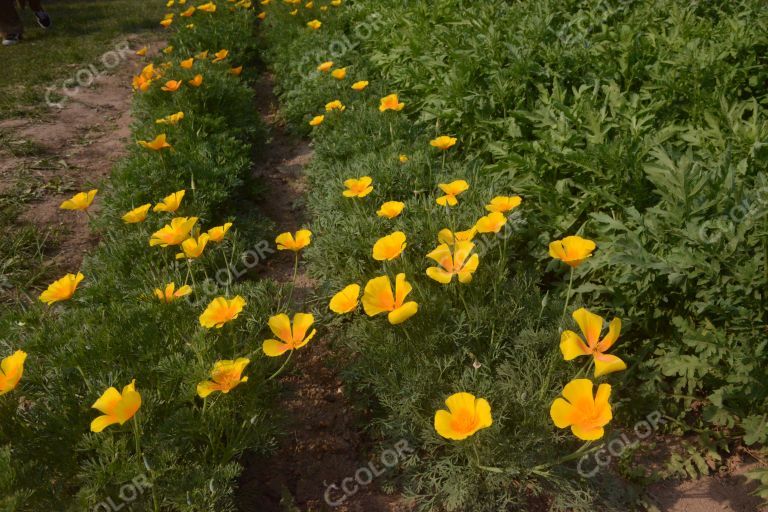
(11, 39)
(43, 19)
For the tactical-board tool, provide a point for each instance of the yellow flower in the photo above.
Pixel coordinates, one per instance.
(167, 50)
(378, 298)
(457, 263)
(389, 247)
(358, 187)
(170, 293)
(141, 84)
(187, 63)
(157, 144)
(137, 214)
(174, 233)
(117, 407)
(325, 66)
(189, 12)
(172, 119)
(504, 204)
(403, 159)
(335, 3)
(236, 71)
(166, 22)
(339, 74)
(314, 24)
(11, 371)
(294, 12)
(225, 376)
(289, 242)
(170, 3)
(290, 338)
(443, 142)
(193, 248)
(220, 55)
(346, 300)
(221, 311)
(452, 190)
(262, 15)
(584, 413)
(359, 86)
(149, 72)
(446, 237)
(170, 203)
(491, 223)
(171, 86)
(197, 81)
(208, 7)
(217, 234)
(391, 209)
(391, 102)
(142, 52)
(572, 250)
(464, 417)
(80, 201)
(317, 120)
(202, 55)
(591, 325)
(61, 289)
(309, 5)
(335, 105)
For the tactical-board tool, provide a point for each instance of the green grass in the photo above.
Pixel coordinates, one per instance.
(82, 32)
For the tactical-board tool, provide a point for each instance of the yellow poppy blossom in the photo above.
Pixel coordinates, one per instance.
(591, 325)
(309, 5)
(170, 3)
(289, 338)
(504, 204)
(11, 371)
(403, 159)
(170, 203)
(167, 50)
(378, 298)
(220, 55)
(335, 105)
(335, 3)
(141, 83)
(80, 201)
(207, 7)
(359, 86)
(314, 24)
(117, 407)
(325, 66)
(236, 71)
(189, 12)
(346, 300)
(221, 311)
(452, 190)
(572, 250)
(389, 247)
(289, 242)
(262, 15)
(192, 248)
(137, 214)
(358, 187)
(391, 102)
(491, 223)
(156, 144)
(172, 119)
(294, 12)
(443, 142)
(171, 86)
(339, 74)
(457, 263)
(317, 121)
(166, 22)
(391, 209)
(61, 289)
(225, 376)
(142, 52)
(446, 237)
(174, 233)
(464, 417)
(579, 409)
(170, 293)
(187, 63)
(217, 233)
(196, 81)
(202, 55)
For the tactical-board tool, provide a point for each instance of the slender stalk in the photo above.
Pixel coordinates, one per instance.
(137, 444)
(583, 450)
(293, 280)
(290, 353)
(567, 297)
(192, 274)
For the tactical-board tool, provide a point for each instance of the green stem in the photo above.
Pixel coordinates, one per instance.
(583, 450)
(281, 367)
(293, 280)
(137, 443)
(567, 297)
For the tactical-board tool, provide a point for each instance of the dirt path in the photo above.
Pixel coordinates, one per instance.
(324, 444)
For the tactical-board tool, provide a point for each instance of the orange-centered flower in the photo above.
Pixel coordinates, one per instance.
(378, 298)
(317, 121)
(572, 345)
(142, 52)
(221, 311)
(170, 203)
(391, 209)
(572, 250)
(452, 190)
(208, 7)
(446, 237)
(290, 242)
(579, 409)
(465, 416)
(504, 204)
(335, 105)
(220, 55)
(174, 233)
(443, 142)
(389, 247)
(137, 215)
(217, 233)
(187, 63)
(62, 289)
(403, 159)
(346, 300)
(391, 102)
(491, 223)
(225, 376)
(325, 66)
(358, 187)
(197, 81)
(117, 407)
(166, 22)
(80, 201)
(359, 86)
(170, 293)
(339, 74)
(192, 248)
(171, 86)
(172, 119)
(290, 338)
(314, 24)
(155, 144)
(189, 12)
(457, 263)
(11, 371)
(236, 71)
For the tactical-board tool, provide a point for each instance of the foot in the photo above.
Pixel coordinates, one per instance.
(11, 39)
(43, 19)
